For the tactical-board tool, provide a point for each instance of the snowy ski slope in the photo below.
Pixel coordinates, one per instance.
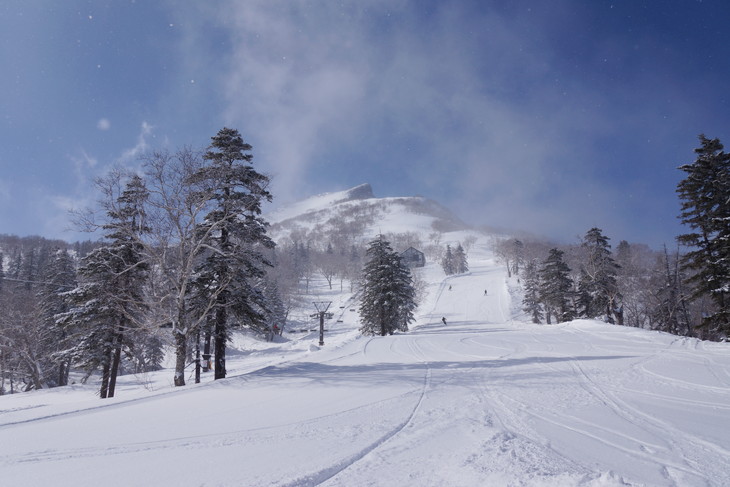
(488, 400)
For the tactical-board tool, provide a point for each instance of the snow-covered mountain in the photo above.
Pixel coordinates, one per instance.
(358, 211)
(489, 399)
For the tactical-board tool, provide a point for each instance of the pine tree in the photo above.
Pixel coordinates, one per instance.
(518, 251)
(597, 287)
(109, 302)
(58, 278)
(705, 209)
(388, 297)
(447, 263)
(460, 263)
(92, 319)
(235, 234)
(531, 300)
(556, 287)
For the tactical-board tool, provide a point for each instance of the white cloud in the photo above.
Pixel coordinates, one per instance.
(83, 166)
(87, 160)
(103, 124)
(142, 145)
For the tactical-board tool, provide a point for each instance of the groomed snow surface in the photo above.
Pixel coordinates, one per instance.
(488, 400)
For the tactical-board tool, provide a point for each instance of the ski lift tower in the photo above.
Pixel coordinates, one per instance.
(321, 307)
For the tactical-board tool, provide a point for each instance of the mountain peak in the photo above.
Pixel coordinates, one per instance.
(361, 192)
(359, 211)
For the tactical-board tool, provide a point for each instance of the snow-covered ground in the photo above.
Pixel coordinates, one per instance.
(488, 400)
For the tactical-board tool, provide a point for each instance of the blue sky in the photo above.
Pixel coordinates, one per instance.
(550, 117)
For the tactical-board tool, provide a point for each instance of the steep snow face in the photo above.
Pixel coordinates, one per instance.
(320, 202)
(358, 213)
(362, 192)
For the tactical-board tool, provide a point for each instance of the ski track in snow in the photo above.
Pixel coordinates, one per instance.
(323, 476)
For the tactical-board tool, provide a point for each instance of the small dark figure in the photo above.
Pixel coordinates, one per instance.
(449, 288)
(443, 320)
(485, 292)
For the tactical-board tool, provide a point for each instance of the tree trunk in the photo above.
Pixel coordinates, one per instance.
(206, 348)
(62, 374)
(181, 352)
(197, 357)
(115, 364)
(220, 342)
(105, 375)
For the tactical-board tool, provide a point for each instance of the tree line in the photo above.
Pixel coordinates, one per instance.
(185, 250)
(684, 293)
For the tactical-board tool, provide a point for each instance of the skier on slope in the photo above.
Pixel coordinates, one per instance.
(443, 320)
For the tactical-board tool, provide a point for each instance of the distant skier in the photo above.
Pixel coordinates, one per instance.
(443, 320)
(485, 292)
(449, 288)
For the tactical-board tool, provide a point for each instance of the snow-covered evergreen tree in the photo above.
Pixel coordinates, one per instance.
(58, 278)
(235, 234)
(460, 263)
(597, 287)
(447, 262)
(705, 208)
(531, 303)
(518, 255)
(556, 287)
(108, 304)
(388, 297)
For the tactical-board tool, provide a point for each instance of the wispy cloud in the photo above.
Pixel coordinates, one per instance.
(131, 155)
(103, 124)
(83, 163)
